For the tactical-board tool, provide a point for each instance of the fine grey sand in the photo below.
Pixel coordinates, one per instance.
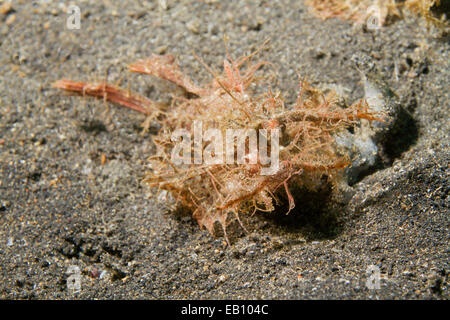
(61, 207)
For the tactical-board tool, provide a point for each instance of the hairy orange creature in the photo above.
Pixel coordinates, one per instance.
(217, 192)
